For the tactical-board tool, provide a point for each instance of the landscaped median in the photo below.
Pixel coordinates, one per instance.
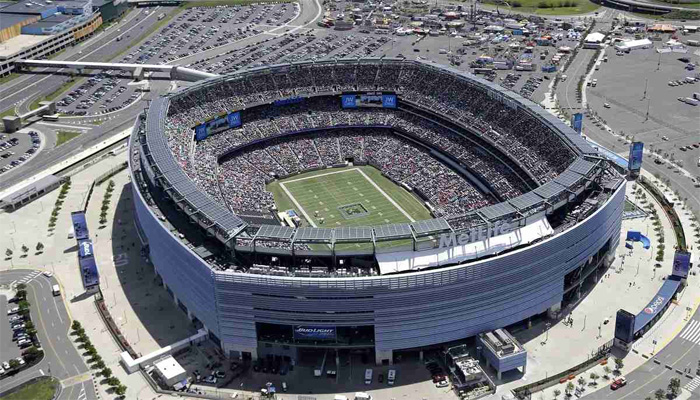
(95, 360)
(41, 388)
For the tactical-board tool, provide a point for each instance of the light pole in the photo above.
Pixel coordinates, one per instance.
(546, 327)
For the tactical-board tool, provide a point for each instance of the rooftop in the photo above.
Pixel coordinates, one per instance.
(16, 44)
(169, 367)
(8, 20)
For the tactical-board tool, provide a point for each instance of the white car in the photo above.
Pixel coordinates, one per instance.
(14, 310)
(210, 379)
(48, 274)
(6, 365)
(442, 384)
(20, 360)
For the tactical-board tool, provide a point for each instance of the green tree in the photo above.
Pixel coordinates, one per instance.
(96, 359)
(674, 387)
(32, 354)
(660, 394)
(594, 377)
(8, 253)
(619, 364)
(581, 381)
(23, 305)
(25, 249)
(106, 372)
(120, 390)
(569, 387)
(14, 363)
(76, 325)
(113, 381)
(99, 365)
(557, 392)
(39, 247)
(21, 294)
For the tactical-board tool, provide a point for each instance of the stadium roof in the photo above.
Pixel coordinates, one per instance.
(497, 211)
(393, 231)
(353, 233)
(568, 178)
(274, 232)
(582, 166)
(429, 226)
(525, 201)
(549, 190)
(313, 234)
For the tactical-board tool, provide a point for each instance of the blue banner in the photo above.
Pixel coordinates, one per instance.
(314, 332)
(291, 100)
(234, 119)
(200, 132)
(577, 122)
(389, 101)
(349, 101)
(636, 154)
(681, 264)
(85, 248)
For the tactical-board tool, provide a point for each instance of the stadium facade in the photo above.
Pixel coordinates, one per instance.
(252, 311)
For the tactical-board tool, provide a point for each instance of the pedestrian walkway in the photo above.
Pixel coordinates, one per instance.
(26, 279)
(691, 332)
(692, 385)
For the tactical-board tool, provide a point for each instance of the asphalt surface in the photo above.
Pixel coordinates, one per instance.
(673, 359)
(61, 359)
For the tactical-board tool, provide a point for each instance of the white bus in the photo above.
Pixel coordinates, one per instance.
(368, 376)
(391, 377)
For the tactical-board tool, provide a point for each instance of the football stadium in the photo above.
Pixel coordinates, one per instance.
(384, 206)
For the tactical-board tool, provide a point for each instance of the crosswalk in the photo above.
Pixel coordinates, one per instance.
(691, 332)
(692, 385)
(26, 279)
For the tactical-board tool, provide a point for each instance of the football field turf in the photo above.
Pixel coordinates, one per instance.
(353, 196)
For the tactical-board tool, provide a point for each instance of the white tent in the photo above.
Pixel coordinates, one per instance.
(634, 44)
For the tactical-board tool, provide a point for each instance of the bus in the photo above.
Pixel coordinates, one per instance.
(50, 117)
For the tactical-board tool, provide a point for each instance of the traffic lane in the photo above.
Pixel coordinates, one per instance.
(52, 329)
(79, 391)
(50, 83)
(8, 348)
(71, 54)
(53, 156)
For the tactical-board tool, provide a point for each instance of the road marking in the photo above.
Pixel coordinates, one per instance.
(692, 385)
(42, 372)
(692, 332)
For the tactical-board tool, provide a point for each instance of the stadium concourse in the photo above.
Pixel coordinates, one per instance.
(515, 197)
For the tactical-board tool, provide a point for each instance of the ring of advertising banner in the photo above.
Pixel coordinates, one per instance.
(635, 158)
(314, 333)
(370, 99)
(222, 123)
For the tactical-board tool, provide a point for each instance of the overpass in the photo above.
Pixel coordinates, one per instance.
(154, 3)
(137, 70)
(640, 6)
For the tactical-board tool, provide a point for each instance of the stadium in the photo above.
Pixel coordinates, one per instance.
(384, 206)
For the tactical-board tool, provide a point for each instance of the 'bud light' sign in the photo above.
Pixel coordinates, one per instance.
(314, 332)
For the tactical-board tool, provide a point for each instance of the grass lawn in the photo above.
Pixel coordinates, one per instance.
(9, 112)
(533, 6)
(351, 196)
(64, 136)
(42, 390)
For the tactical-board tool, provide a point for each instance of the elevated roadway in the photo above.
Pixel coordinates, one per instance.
(175, 72)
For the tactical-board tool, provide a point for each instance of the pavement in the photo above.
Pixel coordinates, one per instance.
(61, 358)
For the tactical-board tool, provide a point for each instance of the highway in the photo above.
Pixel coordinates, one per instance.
(49, 314)
(681, 353)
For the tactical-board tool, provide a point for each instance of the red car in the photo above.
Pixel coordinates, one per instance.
(618, 383)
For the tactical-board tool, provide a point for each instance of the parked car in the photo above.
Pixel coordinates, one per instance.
(13, 310)
(618, 383)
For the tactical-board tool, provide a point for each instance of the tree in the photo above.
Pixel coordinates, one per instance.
(25, 249)
(557, 392)
(21, 294)
(120, 390)
(594, 377)
(660, 394)
(569, 387)
(619, 364)
(607, 371)
(674, 387)
(39, 247)
(76, 325)
(32, 354)
(99, 365)
(581, 381)
(14, 363)
(8, 253)
(106, 372)
(113, 381)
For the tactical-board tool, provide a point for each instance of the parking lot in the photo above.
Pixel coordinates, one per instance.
(14, 337)
(18, 148)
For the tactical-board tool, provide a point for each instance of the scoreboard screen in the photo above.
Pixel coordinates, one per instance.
(371, 99)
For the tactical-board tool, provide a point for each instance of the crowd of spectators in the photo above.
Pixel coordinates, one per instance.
(240, 179)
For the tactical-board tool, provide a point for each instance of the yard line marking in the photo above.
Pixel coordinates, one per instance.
(380, 190)
(299, 207)
(320, 175)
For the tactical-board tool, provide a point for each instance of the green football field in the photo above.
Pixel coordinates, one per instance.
(352, 196)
